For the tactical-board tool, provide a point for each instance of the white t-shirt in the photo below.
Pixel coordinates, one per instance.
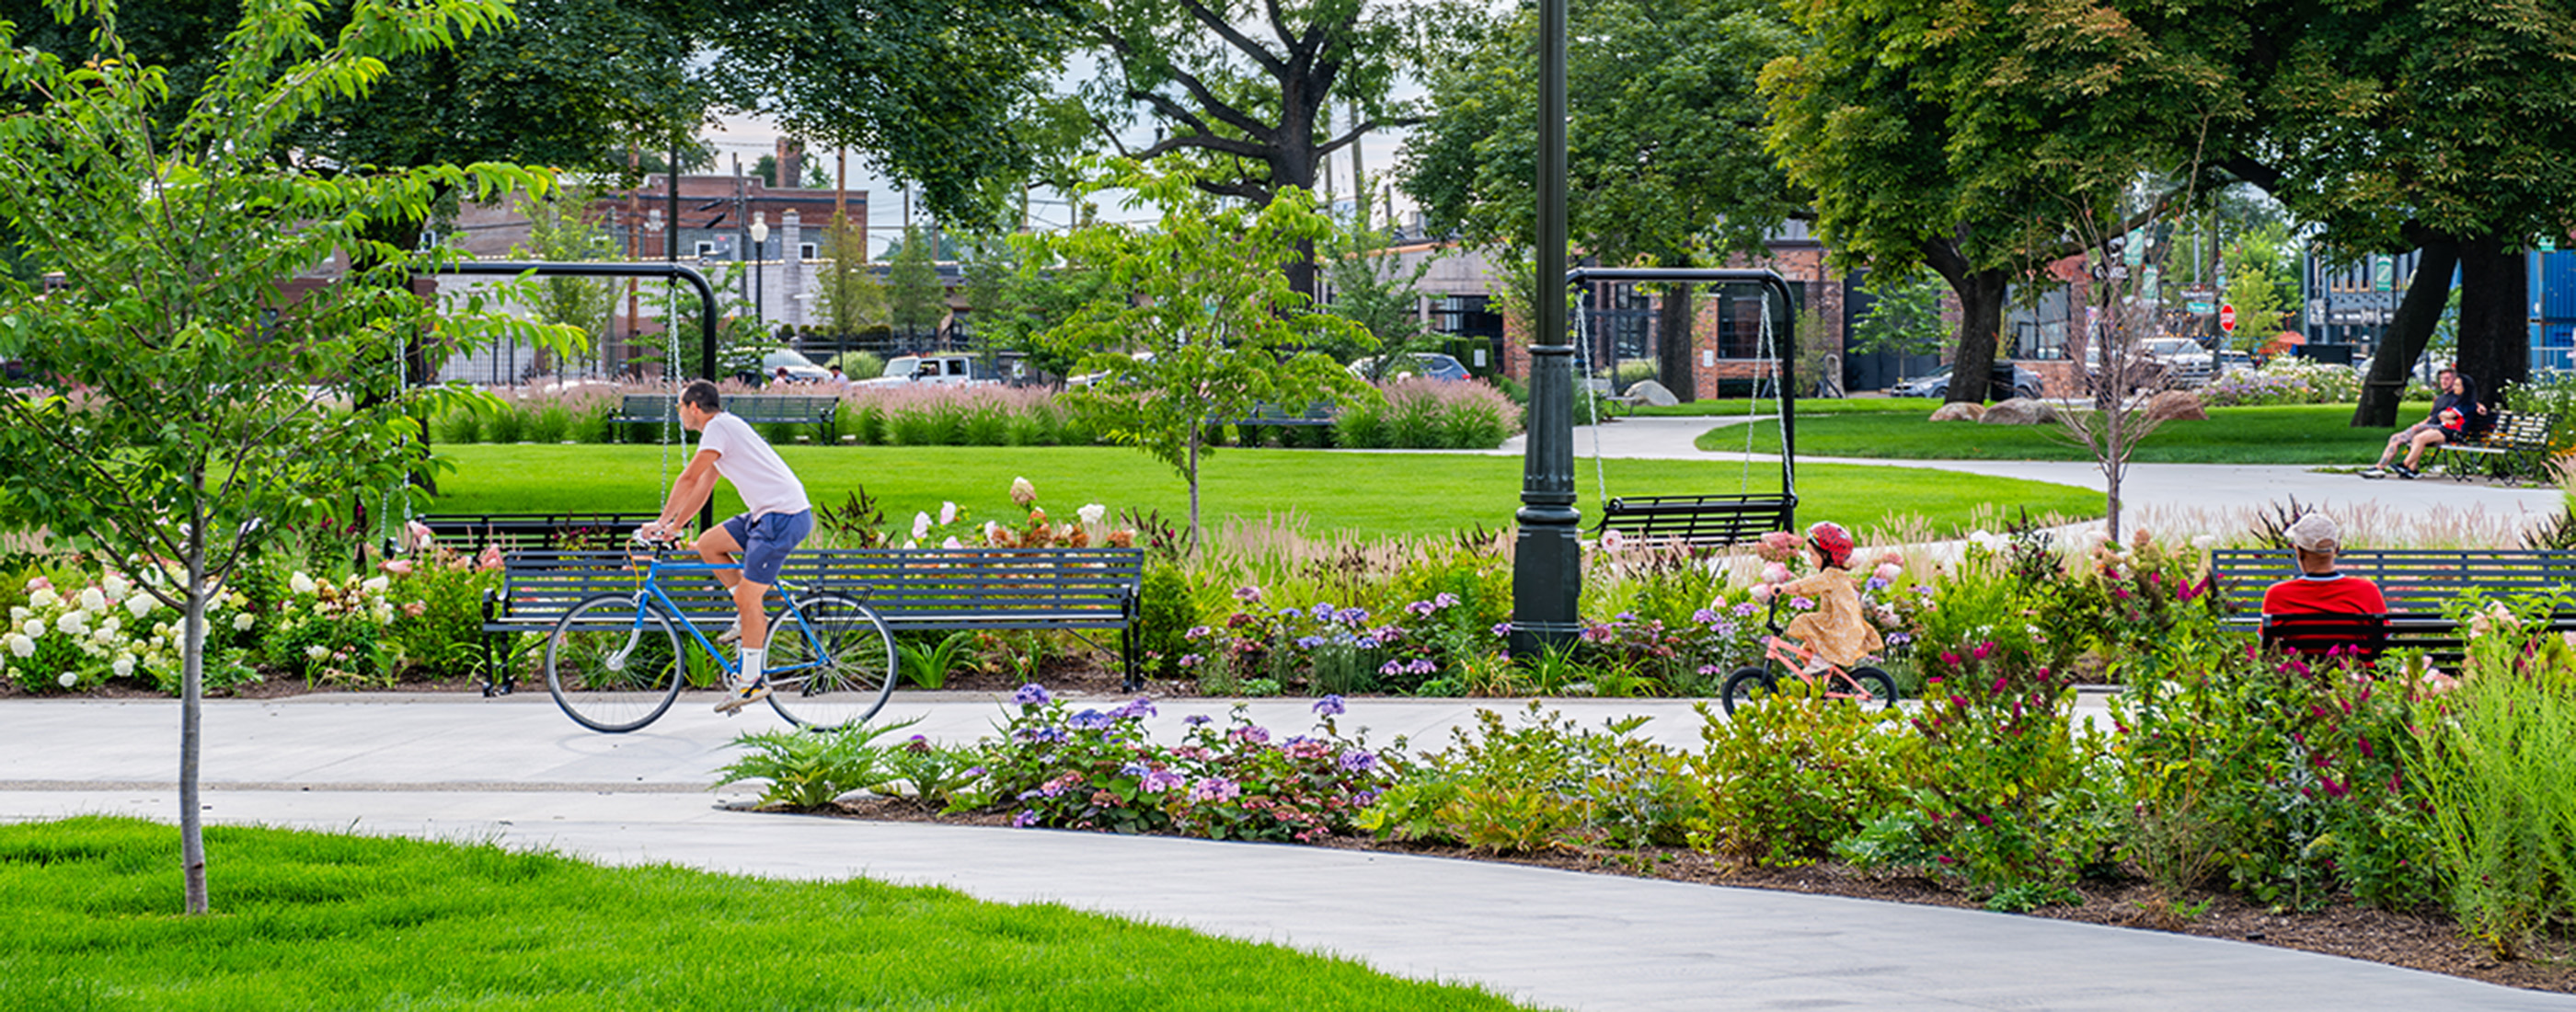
(742, 457)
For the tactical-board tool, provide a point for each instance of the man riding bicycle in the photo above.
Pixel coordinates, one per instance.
(777, 519)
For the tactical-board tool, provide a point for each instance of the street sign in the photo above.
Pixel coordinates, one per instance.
(2383, 273)
(2227, 318)
(2197, 307)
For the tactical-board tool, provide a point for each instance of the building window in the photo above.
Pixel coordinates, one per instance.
(805, 251)
(706, 250)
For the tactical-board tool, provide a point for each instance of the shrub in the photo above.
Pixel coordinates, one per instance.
(1788, 778)
(1165, 614)
(808, 769)
(1541, 783)
(77, 635)
(859, 365)
(442, 637)
(1419, 413)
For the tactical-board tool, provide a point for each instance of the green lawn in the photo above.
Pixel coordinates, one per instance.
(1379, 493)
(1806, 406)
(89, 920)
(2296, 434)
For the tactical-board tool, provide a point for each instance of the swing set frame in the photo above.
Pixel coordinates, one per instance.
(1715, 521)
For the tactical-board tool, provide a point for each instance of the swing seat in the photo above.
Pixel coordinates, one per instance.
(1699, 521)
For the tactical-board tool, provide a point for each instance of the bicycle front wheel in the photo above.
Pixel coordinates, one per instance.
(1746, 687)
(613, 664)
(830, 663)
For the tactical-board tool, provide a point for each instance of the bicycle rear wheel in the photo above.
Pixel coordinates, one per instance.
(1880, 687)
(831, 662)
(1746, 687)
(612, 663)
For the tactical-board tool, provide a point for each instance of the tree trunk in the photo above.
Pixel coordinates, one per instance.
(192, 671)
(2408, 332)
(2495, 320)
(1981, 318)
(1195, 429)
(1674, 364)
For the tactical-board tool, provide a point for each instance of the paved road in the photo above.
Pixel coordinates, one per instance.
(515, 770)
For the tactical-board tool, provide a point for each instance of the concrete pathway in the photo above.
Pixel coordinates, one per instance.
(516, 771)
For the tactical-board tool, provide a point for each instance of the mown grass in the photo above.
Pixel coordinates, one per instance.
(2293, 434)
(1372, 493)
(1806, 406)
(89, 919)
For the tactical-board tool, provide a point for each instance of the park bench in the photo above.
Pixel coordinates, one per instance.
(781, 409)
(1077, 590)
(2517, 447)
(1698, 521)
(470, 533)
(2416, 582)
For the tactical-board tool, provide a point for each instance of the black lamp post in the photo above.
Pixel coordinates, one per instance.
(1547, 567)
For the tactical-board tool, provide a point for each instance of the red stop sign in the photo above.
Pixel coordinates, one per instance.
(2227, 318)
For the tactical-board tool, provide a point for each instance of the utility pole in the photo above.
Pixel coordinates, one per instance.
(634, 251)
(1547, 563)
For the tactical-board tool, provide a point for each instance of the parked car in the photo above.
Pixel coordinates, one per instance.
(2025, 384)
(930, 370)
(2182, 359)
(1432, 364)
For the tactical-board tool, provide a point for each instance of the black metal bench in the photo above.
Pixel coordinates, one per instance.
(1698, 521)
(472, 532)
(782, 409)
(2417, 583)
(1079, 590)
(2516, 447)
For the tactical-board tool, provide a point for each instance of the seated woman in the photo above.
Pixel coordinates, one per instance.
(2319, 589)
(2457, 416)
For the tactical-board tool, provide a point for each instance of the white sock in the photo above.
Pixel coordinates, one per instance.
(751, 658)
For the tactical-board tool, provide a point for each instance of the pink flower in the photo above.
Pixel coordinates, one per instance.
(1775, 573)
(1762, 592)
(398, 567)
(1890, 572)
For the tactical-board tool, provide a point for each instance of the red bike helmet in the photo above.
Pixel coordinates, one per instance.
(1832, 541)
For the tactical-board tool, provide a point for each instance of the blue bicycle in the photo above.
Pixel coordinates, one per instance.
(615, 662)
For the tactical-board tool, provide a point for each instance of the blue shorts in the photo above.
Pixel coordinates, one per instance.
(766, 540)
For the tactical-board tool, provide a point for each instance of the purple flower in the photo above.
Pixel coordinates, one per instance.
(1039, 734)
(1874, 584)
(1088, 720)
(1141, 706)
(1251, 734)
(1706, 617)
(1391, 668)
(1502, 629)
(1196, 632)
(1025, 819)
(1359, 760)
(1366, 642)
(1032, 694)
(1323, 613)
(1190, 661)
(1421, 666)
(1132, 770)
(1158, 781)
(1215, 789)
(1745, 610)
(1196, 719)
(1444, 599)
(1330, 706)
(1248, 595)
(1353, 617)
(1420, 609)
(1309, 642)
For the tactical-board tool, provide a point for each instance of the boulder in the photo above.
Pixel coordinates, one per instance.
(2175, 404)
(1651, 392)
(1959, 411)
(2020, 411)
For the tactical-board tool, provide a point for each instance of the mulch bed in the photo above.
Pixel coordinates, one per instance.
(2415, 940)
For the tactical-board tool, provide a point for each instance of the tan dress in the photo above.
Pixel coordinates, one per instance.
(1836, 631)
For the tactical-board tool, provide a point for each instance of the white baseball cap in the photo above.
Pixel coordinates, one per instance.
(2315, 532)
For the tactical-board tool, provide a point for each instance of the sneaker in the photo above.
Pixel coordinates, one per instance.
(2375, 473)
(2403, 471)
(732, 634)
(741, 697)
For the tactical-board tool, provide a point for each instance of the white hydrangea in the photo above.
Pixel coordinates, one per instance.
(116, 586)
(67, 679)
(44, 597)
(73, 624)
(378, 584)
(124, 665)
(1092, 514)
(21, 645)
(93, 599)
(242, 622)
(34, 627)
(139, 605)
(316, 652)
(301, 583)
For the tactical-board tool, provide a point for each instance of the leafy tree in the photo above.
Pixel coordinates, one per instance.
(1661, 164)
(1203, 293)
(988, 267)
(1970, 138)
(848, 294)
(561, 228)
(2261, 283)
(1904, 316)
(767, 170)
(915, 301)
(184, 430)
(1371, 287)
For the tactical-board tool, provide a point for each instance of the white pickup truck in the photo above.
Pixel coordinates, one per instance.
(930, 370)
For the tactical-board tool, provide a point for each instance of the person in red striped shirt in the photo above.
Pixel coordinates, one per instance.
(2318, 587)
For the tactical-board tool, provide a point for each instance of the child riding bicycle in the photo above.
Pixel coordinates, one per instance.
(1835, 633)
